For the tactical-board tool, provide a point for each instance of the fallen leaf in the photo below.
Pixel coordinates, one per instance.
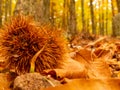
(89, 84)
(72, 69)
(99, 69)
(96, 43)
(84, 55)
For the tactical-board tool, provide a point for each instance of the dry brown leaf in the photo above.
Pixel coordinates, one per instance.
(96, 43)
(99, 69)
(72, 69)
(96, 69)
(112, 61)
(106, 50)
(75, 69)
(101, 52)
(84, 54)
(89, 84)
(59, 74)
(118, 45)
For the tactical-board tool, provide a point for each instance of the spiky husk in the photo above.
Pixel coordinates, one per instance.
(21, 39)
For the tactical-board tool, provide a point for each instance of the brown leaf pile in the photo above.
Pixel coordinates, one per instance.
(98, 62)
(101, 57)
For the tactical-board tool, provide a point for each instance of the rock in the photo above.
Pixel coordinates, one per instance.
(31, 81)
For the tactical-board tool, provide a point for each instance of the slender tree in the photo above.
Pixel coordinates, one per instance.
(92, 17)
(82, 13)
(39, 9)
(6, 10)
(10, 8)
(25, 7)
(114, 19)
(44, 11)
(65, 15)
(102, 16)
(100, 19)
(52, 20)
(102, 23)
(118, 5)
(72, 19)
(116, 25)
(18, 7)
(0, 12)
(107, 18)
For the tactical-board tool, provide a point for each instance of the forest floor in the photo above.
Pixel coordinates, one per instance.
(103, 51)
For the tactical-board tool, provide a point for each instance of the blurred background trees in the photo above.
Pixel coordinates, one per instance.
(74, 16)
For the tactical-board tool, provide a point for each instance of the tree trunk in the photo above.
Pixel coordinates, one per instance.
(116, 25)
(18, 7)
(113, 13)
(72, 20)
(39, 9)
(65, 15)
(102, 24)
(114, 21)
(107, 18)
(10, 8)
(6, 10)
(25, 7)
(82, 12)
(52, 14)
(118, 5)
(100, 19)
(0, 13)
(65, 18)
(44, 11)
(92, 17)
(102, 16)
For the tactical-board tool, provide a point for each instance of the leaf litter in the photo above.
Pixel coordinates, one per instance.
(95, 64)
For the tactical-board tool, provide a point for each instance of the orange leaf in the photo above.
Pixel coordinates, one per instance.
(84, 55)
(72, 69)
(89, 84)
(99, 69)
